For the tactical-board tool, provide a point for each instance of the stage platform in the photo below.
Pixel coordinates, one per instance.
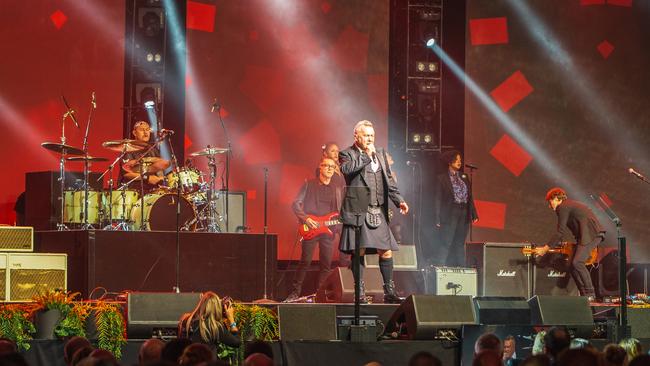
(232, 264)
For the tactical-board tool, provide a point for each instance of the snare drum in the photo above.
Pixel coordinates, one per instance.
(120, 204)
(73, 211)
(190, 180)
(160, 213)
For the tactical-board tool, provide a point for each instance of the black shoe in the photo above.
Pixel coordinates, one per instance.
(390, 294)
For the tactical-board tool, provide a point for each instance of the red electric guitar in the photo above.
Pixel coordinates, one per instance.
(324, 223)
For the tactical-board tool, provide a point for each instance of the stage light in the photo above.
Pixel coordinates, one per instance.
(149, 57)
(157, 57)
(416, 138)
(149, 104)
(421, 67)
(431, 42)
(428, 139)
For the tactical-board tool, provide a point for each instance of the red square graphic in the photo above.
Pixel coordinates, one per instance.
(605, 48)
(58, 19)
(200, 16)
(490, 214)
(511, 155)
(488, 31)
(511, 91)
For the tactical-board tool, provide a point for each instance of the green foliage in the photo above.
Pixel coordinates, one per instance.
(15, 325)
(110, 328)
(73, 315)
(255, 322)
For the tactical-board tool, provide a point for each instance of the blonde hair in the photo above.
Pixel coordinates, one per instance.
(209, 314)
(364, 123)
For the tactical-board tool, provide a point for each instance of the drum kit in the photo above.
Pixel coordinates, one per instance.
(128, 206)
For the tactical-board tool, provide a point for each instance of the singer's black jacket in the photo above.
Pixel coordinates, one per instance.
(444, 199)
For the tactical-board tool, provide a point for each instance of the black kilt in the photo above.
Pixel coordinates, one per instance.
(371, 239)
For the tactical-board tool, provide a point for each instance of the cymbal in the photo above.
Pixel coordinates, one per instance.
(210, 151)
(119, 145)
(82, 158)
(62, 148)
(150, 164)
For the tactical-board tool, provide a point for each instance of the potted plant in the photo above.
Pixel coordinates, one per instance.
(15, 324)
(56, 316)
(110, 327)
(255, 322)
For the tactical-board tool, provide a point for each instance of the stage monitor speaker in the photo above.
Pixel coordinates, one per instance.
(560, 310)
(405, 259)
(236, 211)
(32, 274)
(16, 239)
(157, 313)
(424, 316)
(313, 322)
(502, 310)
(450, 281)
(503, 269)
(640, 321)
(339, 286)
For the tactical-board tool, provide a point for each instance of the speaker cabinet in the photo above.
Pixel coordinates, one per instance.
(451, 281)
(554, 281)
(502, 310)
(314, 322)
(423, 316)
(560, 310)
(405, 259)
(157, 313)
(503, 269)
(339, 286)
(16, 239)
(28, 275)
(236, 211)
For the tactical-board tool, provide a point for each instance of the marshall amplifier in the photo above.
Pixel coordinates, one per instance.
(554, 281)
(502, 268)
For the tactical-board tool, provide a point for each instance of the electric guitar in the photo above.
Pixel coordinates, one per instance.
(324, 223)
(566, 249)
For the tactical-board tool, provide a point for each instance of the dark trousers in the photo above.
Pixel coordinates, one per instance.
(579, 271)
(453, 233)
(325, 248)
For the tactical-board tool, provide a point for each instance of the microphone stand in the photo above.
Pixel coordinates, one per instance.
(471, 196)
(266, 226)
(217, 106)
(93, 105)
(176, 288)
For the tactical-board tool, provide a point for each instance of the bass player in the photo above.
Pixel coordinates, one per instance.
(318, 200)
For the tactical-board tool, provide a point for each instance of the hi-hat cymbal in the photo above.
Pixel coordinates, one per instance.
(82, 158)
(150, 165)
(120, 145)
(62, 148)
(210, 151)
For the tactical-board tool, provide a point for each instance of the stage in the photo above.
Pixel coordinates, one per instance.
(230, 264)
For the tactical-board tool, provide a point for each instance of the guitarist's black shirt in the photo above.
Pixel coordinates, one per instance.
(574, 218)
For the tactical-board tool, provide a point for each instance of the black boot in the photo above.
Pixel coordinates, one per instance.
(390, 294)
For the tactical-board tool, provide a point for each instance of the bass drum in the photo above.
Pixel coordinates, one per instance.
(160, 213)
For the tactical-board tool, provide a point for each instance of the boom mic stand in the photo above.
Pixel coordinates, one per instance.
(217, 106)
(93, 106)
(471, 193)
(177, 287)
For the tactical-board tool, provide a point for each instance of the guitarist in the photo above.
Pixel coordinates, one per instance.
(317, 197)
(575, 218)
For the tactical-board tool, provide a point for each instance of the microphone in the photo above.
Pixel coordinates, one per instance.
(165, 132)
(216, 105)
(412, 163)
(634, 172)
(93, 101)
(471, 166)
(70, 112)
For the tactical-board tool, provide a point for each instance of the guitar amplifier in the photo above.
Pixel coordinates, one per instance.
(503, 270)
(27, 275)
(404, 259)
(450, 281)
(16, 239)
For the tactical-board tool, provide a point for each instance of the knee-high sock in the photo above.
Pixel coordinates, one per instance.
(386, 269)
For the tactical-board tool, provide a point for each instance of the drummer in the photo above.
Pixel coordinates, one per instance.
(130, 168)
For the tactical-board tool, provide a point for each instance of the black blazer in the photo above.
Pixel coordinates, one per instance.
(444, 198)
(357, 193)
(574, 218)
